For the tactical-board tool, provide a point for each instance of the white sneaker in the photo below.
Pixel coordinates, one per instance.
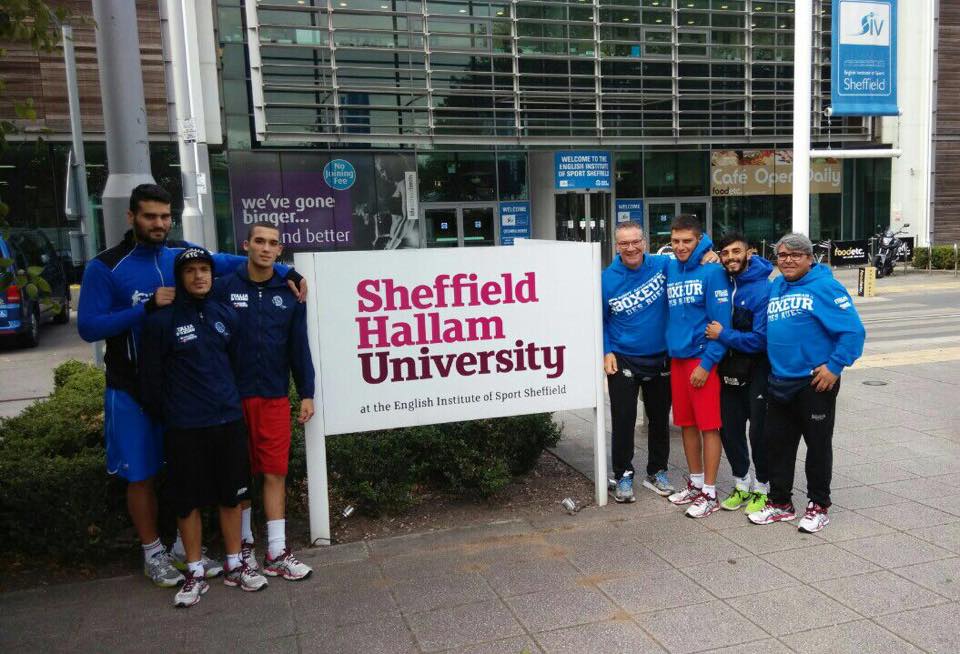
(245, 578)
(248, 555)
(814, 519)
(189, 594)
(160, 569)
(287, 566)
(685, 496)
(703, 506)
(773, 513)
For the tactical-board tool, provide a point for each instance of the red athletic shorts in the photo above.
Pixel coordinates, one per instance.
(694, 407)
(268, 424)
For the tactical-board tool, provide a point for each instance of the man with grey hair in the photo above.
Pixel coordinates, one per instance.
(635, 359)
(813, 333)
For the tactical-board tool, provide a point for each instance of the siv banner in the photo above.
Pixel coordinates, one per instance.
(849, 253)
(864, 66)
(905, 253)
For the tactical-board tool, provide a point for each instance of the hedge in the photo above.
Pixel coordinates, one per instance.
(943, 257)
(57, 499)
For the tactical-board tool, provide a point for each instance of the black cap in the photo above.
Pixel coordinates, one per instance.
(192, 253)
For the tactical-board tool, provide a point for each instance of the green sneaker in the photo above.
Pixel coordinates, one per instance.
(735, 500)
(757, 501)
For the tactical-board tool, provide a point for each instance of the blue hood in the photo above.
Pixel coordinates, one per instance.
(751, 291)
(757, 268)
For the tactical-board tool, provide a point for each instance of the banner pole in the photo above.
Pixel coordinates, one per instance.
(314, 432)
(802, 55)
(600, 411)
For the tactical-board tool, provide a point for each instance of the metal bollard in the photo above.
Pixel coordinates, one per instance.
(954, 259)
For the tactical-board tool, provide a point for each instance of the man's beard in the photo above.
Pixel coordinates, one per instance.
(143, 236)
(743, 266)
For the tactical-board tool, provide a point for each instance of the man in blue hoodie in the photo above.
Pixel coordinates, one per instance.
(697, 294)
(813, 333)
(272, 334)
(119, 285)
(635, 359)
(743, 372)
(187, 379)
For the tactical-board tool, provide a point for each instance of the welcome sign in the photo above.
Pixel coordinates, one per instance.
(864, 65)
(427, 336)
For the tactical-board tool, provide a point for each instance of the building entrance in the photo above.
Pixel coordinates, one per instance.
(459, 225)
(661, 212)
(585, 218)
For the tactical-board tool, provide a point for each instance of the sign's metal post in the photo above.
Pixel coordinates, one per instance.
(314, 431)
(955, 270)
(600, 412)
(802, 55)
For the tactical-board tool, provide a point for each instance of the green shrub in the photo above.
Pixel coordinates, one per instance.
(943, 257)
(68, 369)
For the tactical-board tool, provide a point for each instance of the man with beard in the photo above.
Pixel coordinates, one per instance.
(743, 372)
(118, 285)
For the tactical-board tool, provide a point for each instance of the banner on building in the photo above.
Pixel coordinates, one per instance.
(768, 172)
(864, 58)
(320, 203)
(849, 253)
(575, 169)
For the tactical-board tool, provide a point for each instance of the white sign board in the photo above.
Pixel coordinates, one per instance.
(413, 337)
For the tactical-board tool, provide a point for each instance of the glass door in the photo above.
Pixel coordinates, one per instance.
(479, 226)
(459, 225)
(441, 228)
(576, 213)
(660, 214)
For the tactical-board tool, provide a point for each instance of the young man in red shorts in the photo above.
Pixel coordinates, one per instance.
(272, 335)
(697, 294)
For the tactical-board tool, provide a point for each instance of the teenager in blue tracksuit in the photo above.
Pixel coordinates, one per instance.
(635, 359)
(188, 351)
(743, 372)
(697, 294)
(272, 334)
(813, 333)
(118, 287)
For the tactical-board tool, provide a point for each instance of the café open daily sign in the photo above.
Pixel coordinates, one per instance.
(414, 337)
(864, 58)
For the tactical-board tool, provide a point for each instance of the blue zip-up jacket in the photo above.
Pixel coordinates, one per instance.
(811, 322)
(697, 294)
(272, 335)
(116, 286)
(749, 297)
(635, 307)
(186, 358)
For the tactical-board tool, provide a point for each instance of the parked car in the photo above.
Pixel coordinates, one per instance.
(21, 315)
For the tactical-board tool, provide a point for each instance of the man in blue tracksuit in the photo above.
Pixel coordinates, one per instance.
(697, 294)
(813, 333)
(272, 334)
(743, 372)
(118, 287)
(635, 359)
(189, 349)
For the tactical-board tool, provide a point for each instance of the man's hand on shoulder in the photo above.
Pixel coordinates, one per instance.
(306, 411)
(710, 257)
(297, 284)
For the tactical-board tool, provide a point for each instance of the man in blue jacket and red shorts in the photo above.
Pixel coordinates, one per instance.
(272, 334)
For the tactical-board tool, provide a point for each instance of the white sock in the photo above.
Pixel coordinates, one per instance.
(246, 533)
(760, 487)
(233, 561)
(276, 537)
(151, 549)
(178, 547)
(742, 483)
(195, 568)
(696, 479)
(710, 491)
